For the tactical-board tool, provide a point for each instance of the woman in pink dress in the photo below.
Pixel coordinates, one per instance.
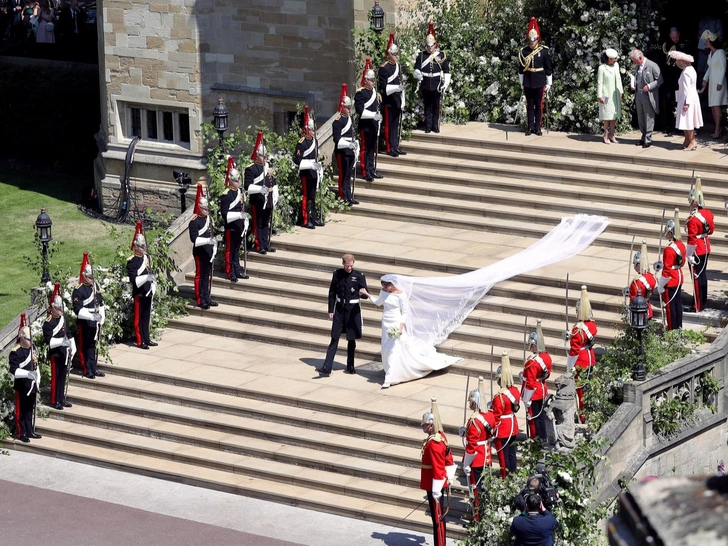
(689, 116)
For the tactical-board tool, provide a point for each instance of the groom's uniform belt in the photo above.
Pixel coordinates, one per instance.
(338, 300)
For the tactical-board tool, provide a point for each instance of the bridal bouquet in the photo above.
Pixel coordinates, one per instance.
(394, 333)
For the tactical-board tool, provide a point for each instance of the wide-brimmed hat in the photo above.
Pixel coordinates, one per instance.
(680, 56)
(708, 35)
(611, 53)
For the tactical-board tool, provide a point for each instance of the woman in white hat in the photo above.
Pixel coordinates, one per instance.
(689, 116)
(610, 92)
(714, 79)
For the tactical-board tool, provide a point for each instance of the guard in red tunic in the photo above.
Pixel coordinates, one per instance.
(310, 171)
(23, 361)
(582, 338)
(437, 466)
(89, 308)
(204, 249)
(143, 286)
(505, 406)
(476, 434)
(392, 89)
(366, 102)
(536, 370)
(700, 225)
(346, 147)
(645, 283)
(232, 209)
(60, 349)
(671, 279)
(262, 188)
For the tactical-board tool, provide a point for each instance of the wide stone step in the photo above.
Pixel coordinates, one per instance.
(347, 456)
(555, 149)
(268, 415)
(232, 482)
(561, 198)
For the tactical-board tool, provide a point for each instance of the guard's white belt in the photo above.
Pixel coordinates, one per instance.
(584, 348)
(674, 267)
(435, 75)
(701, 236)
(350, 301)
(507, 416)
(481, 443)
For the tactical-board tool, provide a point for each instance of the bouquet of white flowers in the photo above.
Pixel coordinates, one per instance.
(394, 333)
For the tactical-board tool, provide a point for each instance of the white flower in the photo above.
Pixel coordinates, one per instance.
(564, 475)
(461, 104)
(513, 43)
(585, 16)
(495, 60)
(493, 88)
(494, 41)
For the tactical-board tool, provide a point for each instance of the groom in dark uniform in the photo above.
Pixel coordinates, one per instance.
(345, 311)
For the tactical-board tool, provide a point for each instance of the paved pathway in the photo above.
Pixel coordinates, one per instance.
(53, 501)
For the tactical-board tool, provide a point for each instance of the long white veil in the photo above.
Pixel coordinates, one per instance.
(439, 305)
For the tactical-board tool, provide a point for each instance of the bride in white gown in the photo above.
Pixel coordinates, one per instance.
(404, 359)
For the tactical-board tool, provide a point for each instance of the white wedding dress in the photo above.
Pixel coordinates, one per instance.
(405, 359)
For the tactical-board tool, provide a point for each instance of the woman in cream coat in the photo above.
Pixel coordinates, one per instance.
(714, 79)
(609, 92)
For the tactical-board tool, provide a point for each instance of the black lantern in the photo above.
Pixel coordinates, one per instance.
(376, 17)
(220, 116)
(43, 224)
(638, 321)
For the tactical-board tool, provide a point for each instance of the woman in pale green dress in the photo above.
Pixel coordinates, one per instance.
(610, 93)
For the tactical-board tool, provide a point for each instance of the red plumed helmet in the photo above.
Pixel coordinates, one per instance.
(230, 166)
(56, 294)
(138, 231)
(367, 68)
(390, 42)
(431, 38)
(198, 198)
(23, 329)
(344, 99)
(84, 264)
(308, 122)
(259, 147)
(533, 30)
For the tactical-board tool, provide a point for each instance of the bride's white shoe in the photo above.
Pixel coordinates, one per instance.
(385, 385)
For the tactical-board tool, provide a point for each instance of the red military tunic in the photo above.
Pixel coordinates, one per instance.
(700, 224)
(671, 270)
(582, 343)
(435, 456)
(535, 372)
(644, 286)
(476, 436)
(506, 420)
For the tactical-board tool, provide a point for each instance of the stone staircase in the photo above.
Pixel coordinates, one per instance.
(230, 399)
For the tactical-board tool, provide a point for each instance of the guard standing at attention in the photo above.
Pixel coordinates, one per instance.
(671, 280)
(346, 147)
(310, 171)
(644, 285)
(262, 188)
(143, 286)
(536, 370)
(89, 308)
(232, 208)
(581, 352)
(392, 90)
(476, 434)
(23, 361)
(60, 349)
(437, 470)
(366, 102)
(345, 312)
(432, 70)
(505, 406)
(534, 71)
(700, 225)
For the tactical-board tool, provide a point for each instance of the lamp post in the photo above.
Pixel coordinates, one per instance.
(220, 119)
(638, 321)
(43, 224)
(376, 17)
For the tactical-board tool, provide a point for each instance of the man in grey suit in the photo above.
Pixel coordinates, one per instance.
(645, 82)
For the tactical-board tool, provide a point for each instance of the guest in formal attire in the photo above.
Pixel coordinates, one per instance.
(610, 93)
(689, 116)
(713, 24)
(714, 79)
(670, 75)
(645, 83)
(46, 26)
(70, 23)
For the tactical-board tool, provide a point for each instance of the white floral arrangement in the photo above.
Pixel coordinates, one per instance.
(394, 333)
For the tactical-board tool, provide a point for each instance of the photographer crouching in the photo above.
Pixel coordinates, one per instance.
(536, 526)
